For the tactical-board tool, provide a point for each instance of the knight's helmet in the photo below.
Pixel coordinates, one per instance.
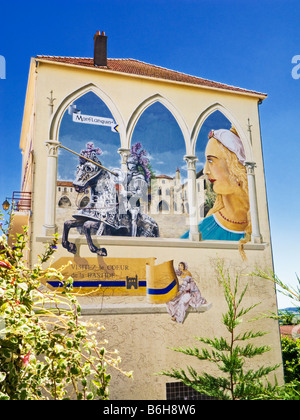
(91, 153)
(86, 170)
(133, 161)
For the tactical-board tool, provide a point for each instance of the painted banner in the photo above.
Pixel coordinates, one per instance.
(162, 282)
(105, 276)
(90, 119)
(119, 277)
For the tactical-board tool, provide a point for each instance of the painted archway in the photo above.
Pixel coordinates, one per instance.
(169, 106)
(75, 95)
(233, 120)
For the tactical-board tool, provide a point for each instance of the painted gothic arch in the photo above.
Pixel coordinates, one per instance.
(68, 100)
(169, 106)
(209, 111)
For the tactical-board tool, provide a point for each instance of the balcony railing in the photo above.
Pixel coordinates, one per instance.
(21, 201)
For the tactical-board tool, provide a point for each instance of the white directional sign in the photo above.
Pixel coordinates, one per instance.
(90, 119)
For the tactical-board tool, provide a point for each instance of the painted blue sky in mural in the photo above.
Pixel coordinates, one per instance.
(156, 129)
(75, 135)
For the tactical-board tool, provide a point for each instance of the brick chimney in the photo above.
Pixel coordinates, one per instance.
(100, 49)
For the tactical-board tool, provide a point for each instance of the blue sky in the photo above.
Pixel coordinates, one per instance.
(246, 43)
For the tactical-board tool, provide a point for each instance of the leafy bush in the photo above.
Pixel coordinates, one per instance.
(46, 351)
(291, 359)
(229, 355)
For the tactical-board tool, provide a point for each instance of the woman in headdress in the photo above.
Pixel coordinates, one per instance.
(188, 295)
(229, 219)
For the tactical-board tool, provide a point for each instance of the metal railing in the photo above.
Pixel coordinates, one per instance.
(21, 201)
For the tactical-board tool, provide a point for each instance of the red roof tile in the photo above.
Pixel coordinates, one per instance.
(163, 177)
(139, 68)
(64, 184)
(291, 331)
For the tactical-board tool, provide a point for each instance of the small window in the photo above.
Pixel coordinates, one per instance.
(84, 202)
(163, 206)
(64, 202)
(180, 391)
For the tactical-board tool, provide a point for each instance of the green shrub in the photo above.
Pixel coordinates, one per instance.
(46, 351)
(229, 355)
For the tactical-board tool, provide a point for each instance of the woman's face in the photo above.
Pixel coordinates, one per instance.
(216, 169)
(181, 267)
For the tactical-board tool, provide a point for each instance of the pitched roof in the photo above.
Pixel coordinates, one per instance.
(64, 184)
(163, 177)
(139, 68)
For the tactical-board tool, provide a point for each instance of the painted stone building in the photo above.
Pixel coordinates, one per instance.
(141, 168)
(169, 202)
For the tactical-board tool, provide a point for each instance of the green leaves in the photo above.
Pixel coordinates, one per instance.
(229, 355)
(46, 351)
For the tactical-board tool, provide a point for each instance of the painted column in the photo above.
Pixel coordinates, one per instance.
(192, 194)
(124, 153)
(49, 226)
(255, 235)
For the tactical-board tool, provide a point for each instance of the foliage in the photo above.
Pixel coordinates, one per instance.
(290, 346)
(291, 359)
(292, 292)
(288, 318)
(210, 196)
(46, 350)
(229, 354)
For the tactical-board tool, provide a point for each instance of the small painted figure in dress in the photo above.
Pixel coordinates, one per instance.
(188, 295)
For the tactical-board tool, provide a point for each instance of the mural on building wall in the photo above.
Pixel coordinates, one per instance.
(150, 197)
(175, 288)
(146, 198)
(146, 195)
(114, 208)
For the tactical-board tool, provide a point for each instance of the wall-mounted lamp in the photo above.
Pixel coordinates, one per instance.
(5, 205)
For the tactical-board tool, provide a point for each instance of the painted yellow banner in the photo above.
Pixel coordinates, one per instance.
(162, 282)
(105, 276)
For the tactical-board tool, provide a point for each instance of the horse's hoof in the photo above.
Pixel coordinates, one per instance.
(102, 252)
(72, 248)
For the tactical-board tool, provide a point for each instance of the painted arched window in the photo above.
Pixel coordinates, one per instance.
(64, 202)
(87, 128)
(84, 202)
(222, 157)
(87, 120)
(159, 133)
(214, 121)
(163, 206)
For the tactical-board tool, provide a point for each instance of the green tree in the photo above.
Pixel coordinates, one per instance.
(287, 318)
(46, 350)
(210, 195)
(229, 354)
(290, 346)
(291, 359)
